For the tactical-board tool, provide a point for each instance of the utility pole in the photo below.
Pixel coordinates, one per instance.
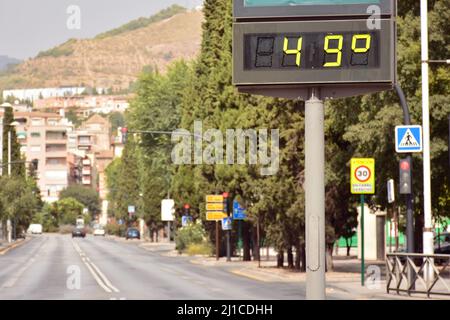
(315, 197)
(428, 245)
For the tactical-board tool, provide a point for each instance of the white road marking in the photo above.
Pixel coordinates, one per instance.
(99, 276)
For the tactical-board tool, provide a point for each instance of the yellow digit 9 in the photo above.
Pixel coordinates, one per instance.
(297, 52)
(366, 37)
(337, 51)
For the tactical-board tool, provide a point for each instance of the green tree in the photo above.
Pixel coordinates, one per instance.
(88, 197)
(67, 211)
(17, 168)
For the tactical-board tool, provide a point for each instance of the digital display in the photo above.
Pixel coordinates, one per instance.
(284, 3)
(342, 57)
(312, 51)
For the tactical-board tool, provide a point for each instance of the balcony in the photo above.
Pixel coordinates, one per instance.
(86, 171)
(86, 181)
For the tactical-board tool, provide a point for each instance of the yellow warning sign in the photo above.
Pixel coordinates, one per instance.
(362, 174)
(215, 215)
(214, 198)
(214, 207)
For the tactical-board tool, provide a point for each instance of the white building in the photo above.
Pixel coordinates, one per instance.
(34, 94)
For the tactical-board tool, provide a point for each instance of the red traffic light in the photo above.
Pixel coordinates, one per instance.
(186, 206)
(225, 194)
(124, 130)
(404, 165)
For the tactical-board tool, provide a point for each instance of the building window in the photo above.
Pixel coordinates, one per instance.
(56, 175)
(35, 134)
(35, 149)
(36, 122)
(55, 161)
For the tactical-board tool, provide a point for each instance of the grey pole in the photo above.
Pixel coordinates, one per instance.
(315, 197)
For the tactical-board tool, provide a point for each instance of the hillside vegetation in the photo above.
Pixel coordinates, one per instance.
(113, 59)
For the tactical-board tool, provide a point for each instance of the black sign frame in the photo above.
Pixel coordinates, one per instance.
(387, 8)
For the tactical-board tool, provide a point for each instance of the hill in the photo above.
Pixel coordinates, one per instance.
(6, 62)
(113, 59)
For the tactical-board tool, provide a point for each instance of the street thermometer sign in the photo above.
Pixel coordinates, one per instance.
(283, 48)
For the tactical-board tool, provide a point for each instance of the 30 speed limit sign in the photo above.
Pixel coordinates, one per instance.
(363, 176)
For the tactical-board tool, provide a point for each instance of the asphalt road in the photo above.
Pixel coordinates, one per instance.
(59, 267)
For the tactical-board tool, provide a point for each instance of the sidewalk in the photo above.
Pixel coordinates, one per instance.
(6, 247)
(344, 280)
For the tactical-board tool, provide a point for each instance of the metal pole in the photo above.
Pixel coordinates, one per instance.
(363, 258)
(217, 240)
(410, 217)
(449, 143)
(240, 236)
(9, 174)
(315, 197)
(259, 242)
(410, 197)
(228, 232)
(168, 230)
(428, 246)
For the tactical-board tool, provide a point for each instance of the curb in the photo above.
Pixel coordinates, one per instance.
(3, 251)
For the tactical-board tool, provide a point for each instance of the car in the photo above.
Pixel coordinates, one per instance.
(35, 228)
(78, 233)
(133, 233)
(99, 231)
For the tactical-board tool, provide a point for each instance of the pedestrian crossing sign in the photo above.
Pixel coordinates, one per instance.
(408, 139)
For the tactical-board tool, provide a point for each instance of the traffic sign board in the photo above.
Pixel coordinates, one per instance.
(131, 209)
(362, 176)
(186, 220)
(214, 198)
(391, 191)
(215, 215)
(167, 210)
(238, 212)
(214, 207)
(408, 139)
(227, 223)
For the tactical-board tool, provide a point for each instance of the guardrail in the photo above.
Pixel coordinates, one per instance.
(418, 273)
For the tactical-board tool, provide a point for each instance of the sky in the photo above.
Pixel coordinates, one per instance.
(30, 26)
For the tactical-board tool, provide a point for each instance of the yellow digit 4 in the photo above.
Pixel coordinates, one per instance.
(297, 52)
(366, 37)
(337, 51)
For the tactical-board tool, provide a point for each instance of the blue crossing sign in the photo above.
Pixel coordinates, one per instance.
(186, 220)
(408, 139)
(227, 223)
(238, 212)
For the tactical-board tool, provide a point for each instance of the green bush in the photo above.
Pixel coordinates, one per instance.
(204, 249)
(115, 230)
(66, 229)
(191, 234)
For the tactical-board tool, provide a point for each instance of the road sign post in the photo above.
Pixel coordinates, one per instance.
(362, 174)
(300, 50)
(215, 212)
(315, 198)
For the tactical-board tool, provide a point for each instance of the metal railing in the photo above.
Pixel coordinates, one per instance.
(418, 273)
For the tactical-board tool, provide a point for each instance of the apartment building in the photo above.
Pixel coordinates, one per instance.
(43, 136)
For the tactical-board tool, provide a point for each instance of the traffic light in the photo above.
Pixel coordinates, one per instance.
(405, 176)
(124, 135)
(35, 164)
(187, 209)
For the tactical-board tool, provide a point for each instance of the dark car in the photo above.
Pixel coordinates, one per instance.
(442, 243)
(78, 233)
(133, 233)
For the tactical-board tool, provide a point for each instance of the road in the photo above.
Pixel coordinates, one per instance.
(59, 267)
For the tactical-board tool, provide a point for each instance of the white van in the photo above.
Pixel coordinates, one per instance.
(35, 228)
